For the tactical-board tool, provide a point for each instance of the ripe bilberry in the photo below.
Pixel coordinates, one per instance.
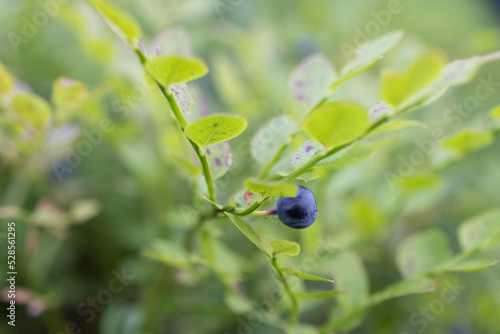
(299, 211)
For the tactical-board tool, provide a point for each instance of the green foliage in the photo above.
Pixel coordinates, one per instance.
(170, 70)
(265, 189)
(248, 231)
(399, 87)
(119, 21)
(422, 252)
(335, 123)
(215, 129)
(146, 205)
(303, 275)
(480, 231)
(467, 141)
(367, 54)
(33, 110)
(286, 247)
(6, 80)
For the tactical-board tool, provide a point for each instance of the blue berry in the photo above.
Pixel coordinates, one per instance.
(299, 211)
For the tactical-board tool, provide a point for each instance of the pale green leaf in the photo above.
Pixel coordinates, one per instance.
(169, 70)
(350, 275)
(290, 248)
(366, 54)
(395, 126)
(311, 79)
(480, 231)
(31, 109)
(336, 123)
(306, 152)
(495, 112)
(167, 252)
(406, 287)
(352, 155)
(248, 231)
(215, 128)
(460, 264)
(68, 93)
(422, 252)
(264, 188)
(303, 275)
(219, 158)
(123, 24)
(270, 137)
(180, 92)
(6, 80)
(467, 141)
(399, 87)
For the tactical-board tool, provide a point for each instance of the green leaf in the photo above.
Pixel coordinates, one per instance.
(68, 93)
(406, 287)
(219, 158)
(467, 141)
(248, 231)
(459, 264)
(311, 79)
(367, 54)
(32, 109)
(320, 295)
(215, 128)
(455, 73)
(399, 87)
(182, 97)
(169, 70)
(6, 80)
(336, 123)
(366, 216)
(350, 275)
(270, 137)
(480, 231)
(494, 113)
(119, 21)
(290, 248)
(306, 152)
(422, 252)
(418, 182)
(167, 252)
(395, 126)
(303, 275)
(264, 188)
(352, 155)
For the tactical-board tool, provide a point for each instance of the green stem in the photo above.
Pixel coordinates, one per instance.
(275, 159)
(294, 310)
(183, 124)
(250, 209)
(311, 163)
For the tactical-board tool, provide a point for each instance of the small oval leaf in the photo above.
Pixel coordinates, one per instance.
(290, 248)
(169, 70)
(336, 123)
(215, 128)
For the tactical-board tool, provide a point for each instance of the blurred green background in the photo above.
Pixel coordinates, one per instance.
(125, 194)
